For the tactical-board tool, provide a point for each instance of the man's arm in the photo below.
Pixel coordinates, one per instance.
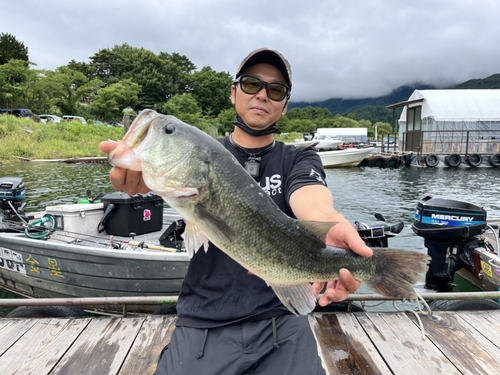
(315, 202)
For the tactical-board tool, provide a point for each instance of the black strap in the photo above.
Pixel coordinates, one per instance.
(101, 227)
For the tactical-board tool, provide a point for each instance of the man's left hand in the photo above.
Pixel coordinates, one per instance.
(345, 236)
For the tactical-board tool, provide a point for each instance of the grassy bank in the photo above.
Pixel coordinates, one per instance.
(25, 138)
(28, 139)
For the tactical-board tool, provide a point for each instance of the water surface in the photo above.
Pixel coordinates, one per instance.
(358, 192)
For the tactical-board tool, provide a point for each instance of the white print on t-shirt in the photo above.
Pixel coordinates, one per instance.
(317, 176)
(272, 185)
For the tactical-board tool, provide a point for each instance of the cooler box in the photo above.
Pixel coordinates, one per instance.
(137, 214)
(77, 218)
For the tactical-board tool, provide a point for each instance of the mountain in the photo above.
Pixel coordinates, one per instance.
(491, 82)
(375, 109)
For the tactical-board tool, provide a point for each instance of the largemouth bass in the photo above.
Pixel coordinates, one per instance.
(222, 203)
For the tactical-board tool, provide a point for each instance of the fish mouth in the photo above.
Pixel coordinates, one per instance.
(125, 155)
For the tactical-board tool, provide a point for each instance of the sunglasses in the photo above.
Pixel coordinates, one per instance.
(252, 85)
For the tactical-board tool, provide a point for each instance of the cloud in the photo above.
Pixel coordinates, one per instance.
(343, 48)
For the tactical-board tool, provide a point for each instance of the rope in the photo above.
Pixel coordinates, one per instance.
(429, 312)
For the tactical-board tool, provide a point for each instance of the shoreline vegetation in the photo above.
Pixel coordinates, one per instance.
(25, 139)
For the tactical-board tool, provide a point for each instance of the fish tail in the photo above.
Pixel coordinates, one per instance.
(397, 271)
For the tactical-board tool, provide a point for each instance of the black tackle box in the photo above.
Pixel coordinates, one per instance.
(125, 214)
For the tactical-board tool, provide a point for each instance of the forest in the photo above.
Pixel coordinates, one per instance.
(133, 77)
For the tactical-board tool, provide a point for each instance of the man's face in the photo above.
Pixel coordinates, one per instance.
(257, 110)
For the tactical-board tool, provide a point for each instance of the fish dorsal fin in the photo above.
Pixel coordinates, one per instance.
(318, 228)
(194, 239)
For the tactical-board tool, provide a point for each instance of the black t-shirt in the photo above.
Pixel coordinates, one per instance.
(216, 290)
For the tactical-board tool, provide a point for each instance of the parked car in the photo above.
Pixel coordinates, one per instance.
(74, 118)
(18, 112)
(114, 123)
(50, 118)
(97, 122)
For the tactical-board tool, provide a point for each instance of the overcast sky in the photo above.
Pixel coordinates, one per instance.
(337, 48)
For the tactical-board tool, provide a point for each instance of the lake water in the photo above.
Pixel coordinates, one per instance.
(358, 192)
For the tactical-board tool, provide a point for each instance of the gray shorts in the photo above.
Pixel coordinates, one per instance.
(284, 345)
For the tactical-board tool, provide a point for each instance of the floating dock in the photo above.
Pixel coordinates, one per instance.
(465, 342)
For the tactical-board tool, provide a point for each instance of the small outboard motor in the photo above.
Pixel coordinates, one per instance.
(12, 198)
(449, 227)
(377, 233)
(172, 237)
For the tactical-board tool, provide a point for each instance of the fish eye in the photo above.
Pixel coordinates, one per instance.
(169, 129)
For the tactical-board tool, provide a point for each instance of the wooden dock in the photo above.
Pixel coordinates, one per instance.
(462, 342)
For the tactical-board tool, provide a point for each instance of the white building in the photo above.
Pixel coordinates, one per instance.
(451, 124)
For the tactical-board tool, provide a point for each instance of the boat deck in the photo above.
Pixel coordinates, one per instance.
(465, 342)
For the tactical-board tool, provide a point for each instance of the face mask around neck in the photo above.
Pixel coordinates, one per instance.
(240, 124)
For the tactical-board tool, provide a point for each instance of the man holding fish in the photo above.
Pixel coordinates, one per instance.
(230, 320)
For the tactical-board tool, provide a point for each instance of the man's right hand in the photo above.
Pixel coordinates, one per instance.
(124, 179)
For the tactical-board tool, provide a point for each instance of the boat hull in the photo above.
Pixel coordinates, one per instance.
(349, 157)
(63, 267)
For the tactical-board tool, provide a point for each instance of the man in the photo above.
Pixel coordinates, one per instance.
(229, 321)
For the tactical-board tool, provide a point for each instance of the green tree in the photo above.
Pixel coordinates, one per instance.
(160, 76)
(298, 125)
(89, 70)
(309, 113)
(382, 128)
(184, 107)
(344, 122)
(11, 48)
(226, 118)
(111, 100)
(211, 90)
(13, 77)
(72, 90)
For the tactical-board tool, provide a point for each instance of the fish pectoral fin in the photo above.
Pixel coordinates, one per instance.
(194, 239)
(318, 228)
(299, 298)
(214, 227)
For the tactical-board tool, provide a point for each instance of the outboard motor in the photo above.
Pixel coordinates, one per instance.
(12, 198)
(377, 233)
(449, 227)
(172, 236)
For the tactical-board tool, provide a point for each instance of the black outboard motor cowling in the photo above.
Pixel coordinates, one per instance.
(12, 198)
(448, 226)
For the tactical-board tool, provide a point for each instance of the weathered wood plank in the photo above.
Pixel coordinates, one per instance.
(37, 352)
(486, 323)
(401, 344)
(11, 330)
(344, 347)
(471, 352)
(155, 333)
(101, 348)
(465, 342)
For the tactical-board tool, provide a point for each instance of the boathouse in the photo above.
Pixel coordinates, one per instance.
(450, 127)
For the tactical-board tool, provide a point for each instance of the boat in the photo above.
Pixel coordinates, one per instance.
(115, 246)
(460, 240)
(348, 157)
(104, 247)
(320, 142)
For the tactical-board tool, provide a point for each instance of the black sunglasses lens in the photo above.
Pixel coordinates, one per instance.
(276, 91)
(252, 85)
